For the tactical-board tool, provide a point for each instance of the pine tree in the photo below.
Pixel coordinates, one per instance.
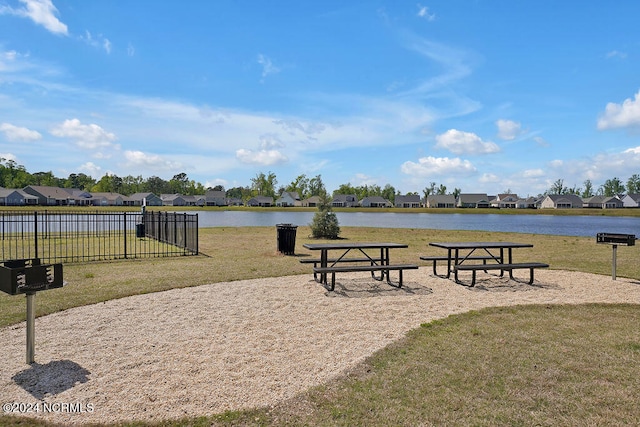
(325, 222)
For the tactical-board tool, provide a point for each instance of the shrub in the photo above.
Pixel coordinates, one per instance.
(325, 222)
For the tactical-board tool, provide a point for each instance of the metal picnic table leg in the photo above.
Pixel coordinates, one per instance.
(323, 264)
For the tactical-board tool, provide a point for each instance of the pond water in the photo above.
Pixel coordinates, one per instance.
(536, 224)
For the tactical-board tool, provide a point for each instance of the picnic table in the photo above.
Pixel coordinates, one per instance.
(493, 252)
(377, 262)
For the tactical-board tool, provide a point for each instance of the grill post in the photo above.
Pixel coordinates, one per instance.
(613, 268)
(31, 327)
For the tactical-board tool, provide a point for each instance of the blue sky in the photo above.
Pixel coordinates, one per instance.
(483, 96)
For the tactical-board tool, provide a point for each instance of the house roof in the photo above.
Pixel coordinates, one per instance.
(140, 196)
(442, 198)
(473, 197)
(108, 196)
(408, 198)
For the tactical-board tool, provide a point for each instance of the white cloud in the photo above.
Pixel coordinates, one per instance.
(489, 178)
(540, 141)
(261, 157)
(363, 179)
(42, 12)
(267, 66)
(131, 51)
(622, 115)
(86, 136)
(270, 141)
(423, 12)
(508, 129)
(8, 156)
(430, 166)
(136, 159)
(459, 142)
(635, 150)
(616, 54)
(15, 133)
(533, 173)
(98, 41)
(90, 169)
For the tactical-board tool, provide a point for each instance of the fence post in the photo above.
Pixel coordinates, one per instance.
(125, 233)
(185, 236)
(35, 232)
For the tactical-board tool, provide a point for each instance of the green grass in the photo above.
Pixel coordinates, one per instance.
(544, 365)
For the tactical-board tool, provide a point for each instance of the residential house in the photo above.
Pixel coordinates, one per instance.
(288, 199)
(344, 201)
(528, 203)
(505, 201)
(216, 198)
(441, 201)
(561, 201)
(173, 200)
(631, 201)
(109, 199)
(407, 201)
(12, 197)
(146, 199)
(56, 196)
(375, 202)
(602, 202)
(194, 200)
(260, 201)
(473, 200)
(234, 201)
(311, 202)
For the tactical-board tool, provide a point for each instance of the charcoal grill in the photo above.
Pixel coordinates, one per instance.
(615, 239)
(28, 276)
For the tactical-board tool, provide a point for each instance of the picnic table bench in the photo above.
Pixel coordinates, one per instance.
(436, 258)
(489, 251)
(375, 263)
(502, 267)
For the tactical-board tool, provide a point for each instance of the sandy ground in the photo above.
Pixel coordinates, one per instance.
(204, 350)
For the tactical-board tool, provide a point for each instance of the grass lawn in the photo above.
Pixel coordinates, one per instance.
(543, 365)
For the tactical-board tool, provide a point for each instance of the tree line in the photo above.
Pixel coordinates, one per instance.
(610, 188)
(13, 175)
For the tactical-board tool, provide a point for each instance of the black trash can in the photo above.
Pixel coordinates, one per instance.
(139, 230)
(286, 238)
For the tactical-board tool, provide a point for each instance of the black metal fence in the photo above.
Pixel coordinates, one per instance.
(55, 236)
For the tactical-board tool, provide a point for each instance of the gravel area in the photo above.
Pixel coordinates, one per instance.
(203, 350)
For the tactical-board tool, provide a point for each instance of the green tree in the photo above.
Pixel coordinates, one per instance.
(389, 193)
(345, 189)
(299, 185)
(157, 185)
(558, 187)
(264, 185)
(588, 189)
(316, 187)
(431, 189)
(633, 184)
(325, 222)
(611, 187)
